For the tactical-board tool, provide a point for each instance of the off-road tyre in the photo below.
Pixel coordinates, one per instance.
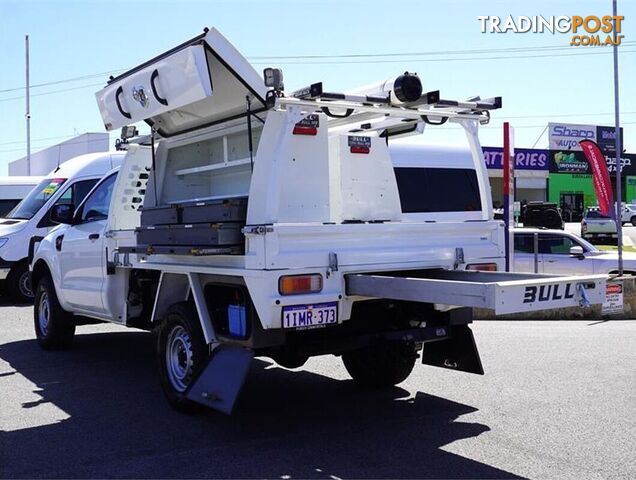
(54, 327)
(381, 366)
(181, 354)
(18, 284)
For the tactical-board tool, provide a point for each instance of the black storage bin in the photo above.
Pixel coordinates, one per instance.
(202, 234)
(155, 235)
(231, 210)
(163, 215)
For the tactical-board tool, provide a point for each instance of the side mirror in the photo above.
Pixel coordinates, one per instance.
(577, 251)
(63, 213)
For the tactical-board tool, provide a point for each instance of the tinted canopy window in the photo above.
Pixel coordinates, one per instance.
(438, 189)
(595, 214)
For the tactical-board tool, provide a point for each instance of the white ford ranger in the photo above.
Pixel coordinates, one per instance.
(265, 223)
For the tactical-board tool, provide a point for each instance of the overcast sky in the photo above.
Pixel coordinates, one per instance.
(540, 77)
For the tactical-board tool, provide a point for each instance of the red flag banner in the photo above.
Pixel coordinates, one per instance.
(600, 176)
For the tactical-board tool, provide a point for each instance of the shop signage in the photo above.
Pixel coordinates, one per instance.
(606, 138)
(525, 158)
(613, 298)
(566, 136)
(564, 161)
(568, 162)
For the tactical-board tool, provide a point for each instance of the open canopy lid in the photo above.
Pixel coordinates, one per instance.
(196, 84)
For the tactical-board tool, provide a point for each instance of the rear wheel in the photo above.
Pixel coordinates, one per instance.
(181, 354)
(633, 220)
(18, 283)
(381, 365)
(54, 327)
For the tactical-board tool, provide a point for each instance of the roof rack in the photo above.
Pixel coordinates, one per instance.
(346, 109)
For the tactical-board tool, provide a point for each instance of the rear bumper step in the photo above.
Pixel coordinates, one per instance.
(501, 291)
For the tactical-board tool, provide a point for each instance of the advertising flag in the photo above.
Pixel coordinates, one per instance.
(600, 176)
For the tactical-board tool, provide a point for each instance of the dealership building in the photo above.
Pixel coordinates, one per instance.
(45, 160)
(561, 174)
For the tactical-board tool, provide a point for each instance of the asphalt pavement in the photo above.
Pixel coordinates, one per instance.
(558, 400)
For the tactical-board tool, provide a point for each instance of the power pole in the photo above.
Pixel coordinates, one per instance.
(28, 110)
(619, 151)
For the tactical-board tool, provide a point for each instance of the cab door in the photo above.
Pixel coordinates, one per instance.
(555, 249)
(524, 254)
(82, 254)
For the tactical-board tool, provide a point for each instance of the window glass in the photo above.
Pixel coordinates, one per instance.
(524, 242)
(555, 244)
(97, 204)
(76, 192)
(595, 214)
(7, 205)
(32, 203)
(438, 189)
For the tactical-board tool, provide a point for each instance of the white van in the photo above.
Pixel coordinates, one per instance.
(69, 183)
(437, 183)
(13, 190)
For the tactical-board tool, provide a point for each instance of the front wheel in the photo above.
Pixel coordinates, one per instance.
(54, 327)
(181, 354)
(381, 365)
(19, 284)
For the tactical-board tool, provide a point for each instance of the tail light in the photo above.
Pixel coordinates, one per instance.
(305, 130)
(483, 267)
(299, 284)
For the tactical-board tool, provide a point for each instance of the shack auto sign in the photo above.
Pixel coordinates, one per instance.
(525, 158)
(566, 136)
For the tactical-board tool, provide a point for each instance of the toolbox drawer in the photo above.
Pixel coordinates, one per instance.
(198, 234)
(164, 215)
(234, 210)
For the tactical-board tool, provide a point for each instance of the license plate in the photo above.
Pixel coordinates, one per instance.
(310, 316)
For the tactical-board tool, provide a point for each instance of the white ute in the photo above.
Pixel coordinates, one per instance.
(69, 183)
(270, 224)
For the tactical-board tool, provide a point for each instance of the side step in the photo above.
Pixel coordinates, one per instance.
(501, 291)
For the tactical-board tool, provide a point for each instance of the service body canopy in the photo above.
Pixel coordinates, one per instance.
(199, 83)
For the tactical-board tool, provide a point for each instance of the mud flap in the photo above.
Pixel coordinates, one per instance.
(220, 382)
(459, 352)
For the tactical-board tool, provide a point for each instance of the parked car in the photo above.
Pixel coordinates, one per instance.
(628, 213)
(597, 226)
(67, 184)
(543, 214)
(561, 252)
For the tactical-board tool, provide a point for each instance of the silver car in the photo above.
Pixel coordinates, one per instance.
(596, 226)
(560, 252)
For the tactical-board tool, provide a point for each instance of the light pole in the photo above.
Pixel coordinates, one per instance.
(28, 110)
(619, 150)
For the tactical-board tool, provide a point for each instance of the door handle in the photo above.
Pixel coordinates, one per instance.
(93, 236)
(119, 91)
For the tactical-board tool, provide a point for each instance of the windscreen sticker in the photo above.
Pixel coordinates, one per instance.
(53, 186)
